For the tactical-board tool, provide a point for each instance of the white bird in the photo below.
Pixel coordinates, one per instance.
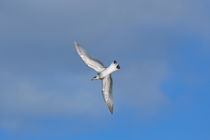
(104, 73)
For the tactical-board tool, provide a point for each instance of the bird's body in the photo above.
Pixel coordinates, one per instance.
(104, 73)
(111, 68)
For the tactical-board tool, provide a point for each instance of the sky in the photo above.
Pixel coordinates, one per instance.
(161, 91)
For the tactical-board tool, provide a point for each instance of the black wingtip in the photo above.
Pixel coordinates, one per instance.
(115, 62)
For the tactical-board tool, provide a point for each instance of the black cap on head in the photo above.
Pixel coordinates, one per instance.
(118, 66)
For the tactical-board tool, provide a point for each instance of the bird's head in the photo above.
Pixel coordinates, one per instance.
(116, 64)
(95, 77)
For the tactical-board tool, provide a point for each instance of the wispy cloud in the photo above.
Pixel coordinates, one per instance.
(42, 77)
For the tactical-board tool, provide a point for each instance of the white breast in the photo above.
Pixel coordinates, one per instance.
(109, 70)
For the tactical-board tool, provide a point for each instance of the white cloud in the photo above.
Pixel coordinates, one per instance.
(25, 99)
(120, 26)
(63, 20)
(140, 85)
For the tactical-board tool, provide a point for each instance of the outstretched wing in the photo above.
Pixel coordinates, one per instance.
(88, 60)
(107, 91)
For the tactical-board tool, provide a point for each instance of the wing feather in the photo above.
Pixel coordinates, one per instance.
(88, 60)
(107, 91)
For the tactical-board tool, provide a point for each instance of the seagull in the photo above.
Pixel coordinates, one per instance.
(103, 73)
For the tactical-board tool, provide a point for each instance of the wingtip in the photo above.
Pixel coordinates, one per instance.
(75, 43)
(111, 109)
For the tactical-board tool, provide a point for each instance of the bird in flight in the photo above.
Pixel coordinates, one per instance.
(103, 73)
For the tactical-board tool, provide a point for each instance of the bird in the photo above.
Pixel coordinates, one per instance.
(103, 73)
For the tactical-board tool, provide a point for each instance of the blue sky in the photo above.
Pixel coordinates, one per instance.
(161, 92)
